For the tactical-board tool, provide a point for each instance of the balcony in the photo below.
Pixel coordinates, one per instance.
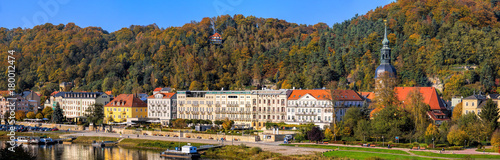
(217, 105)
(209, 105)
(196, 105)
(306, 113)
(248, 105)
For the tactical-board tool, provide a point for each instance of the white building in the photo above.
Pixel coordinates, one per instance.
(163, 106)
(315, 106)
(75, 104)
(269, 106)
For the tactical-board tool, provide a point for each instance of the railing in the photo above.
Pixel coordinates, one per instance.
(305, 113)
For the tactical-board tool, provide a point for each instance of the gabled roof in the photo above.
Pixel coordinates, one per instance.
(4, 92)
(54, 93)
(429, 94)
(126, 100)
(476, 96)
(157, 89)
(434, 115)
(109, 93)
(322, 94)
(165, 95)
(367, 95)
(215, 35)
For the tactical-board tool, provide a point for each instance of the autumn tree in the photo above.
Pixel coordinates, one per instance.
(39, 116)
(328, 134)
(457, 112)
(495, 140)
(457, 136)
(179, 123)
(431, 132)
(418, 109)
(20, 115)
(384, 91)
(30, 115)
(227, 124)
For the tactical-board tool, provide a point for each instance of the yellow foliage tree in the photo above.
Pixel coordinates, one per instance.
(31, 115)
(227, 124)
(20, 115)
(457, 112)
(457, 136)
(495, 140)
(329, 134)
(39, 116)
(432, 131)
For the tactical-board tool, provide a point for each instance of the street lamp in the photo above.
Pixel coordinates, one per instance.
(433, 146)
(383, 141)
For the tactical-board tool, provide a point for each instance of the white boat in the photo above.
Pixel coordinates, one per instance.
(28, 140)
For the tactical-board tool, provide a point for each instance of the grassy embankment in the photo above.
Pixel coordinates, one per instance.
(351, 148)
(473, 156)
(51, 134)
(370, 155)
(239, 152)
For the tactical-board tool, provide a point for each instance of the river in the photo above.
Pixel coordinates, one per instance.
(87, 152)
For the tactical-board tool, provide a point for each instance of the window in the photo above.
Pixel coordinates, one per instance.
(466, 103)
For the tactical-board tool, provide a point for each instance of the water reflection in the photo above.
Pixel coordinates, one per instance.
(88, 152)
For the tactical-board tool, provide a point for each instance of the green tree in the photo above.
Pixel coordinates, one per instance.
(95, 114)
(363, 130)
(490, 114)
(352, 116)
(57, 115)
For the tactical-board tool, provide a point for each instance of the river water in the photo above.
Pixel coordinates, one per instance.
(87, 152)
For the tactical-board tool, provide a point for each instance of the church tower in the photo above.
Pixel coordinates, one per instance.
(385, 58)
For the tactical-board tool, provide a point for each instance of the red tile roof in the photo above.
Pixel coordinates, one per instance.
(433, 115)
(368, 95)
(157, 89)
(54, 93)
(126, 100)
(4, 92)
(165, 95)
(322, 94)
(108, 93)
(215, 35)
(430, 95)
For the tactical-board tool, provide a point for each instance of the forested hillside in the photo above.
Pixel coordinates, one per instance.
(429, 38)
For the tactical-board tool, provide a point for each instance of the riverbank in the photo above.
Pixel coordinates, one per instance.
(51, 134)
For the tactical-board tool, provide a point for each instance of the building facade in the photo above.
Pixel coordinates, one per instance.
(75, 104)
(162, 106)
(215, 105)
(268, 106)
(125, 106)
(315, 106)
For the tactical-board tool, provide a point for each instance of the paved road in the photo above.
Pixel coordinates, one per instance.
(266, 146)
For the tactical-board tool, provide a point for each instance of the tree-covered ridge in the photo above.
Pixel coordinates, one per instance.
(427, 37)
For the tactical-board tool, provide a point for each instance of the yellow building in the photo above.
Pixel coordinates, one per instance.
(125, 106)
(475, 103)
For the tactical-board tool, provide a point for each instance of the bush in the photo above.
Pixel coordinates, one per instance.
(440, 145)
(242, 146)
(255, 150)
(455, 148)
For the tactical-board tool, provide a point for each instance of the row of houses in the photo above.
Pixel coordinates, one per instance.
(27, 101)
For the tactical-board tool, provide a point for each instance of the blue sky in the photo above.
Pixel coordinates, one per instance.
(113, 15)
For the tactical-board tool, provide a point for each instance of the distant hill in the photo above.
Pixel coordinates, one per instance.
(427, 37)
